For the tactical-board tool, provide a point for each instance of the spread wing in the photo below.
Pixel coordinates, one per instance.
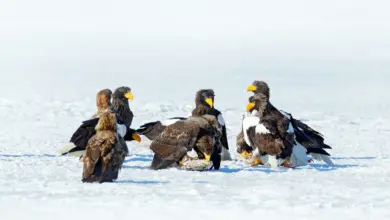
(82, 135)
(174, 142)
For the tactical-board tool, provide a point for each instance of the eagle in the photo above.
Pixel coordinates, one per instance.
(105, 152)
(120, 104)
(204, 104)
(199, 133)
(267, 132)
(86, 130)
(302, 138)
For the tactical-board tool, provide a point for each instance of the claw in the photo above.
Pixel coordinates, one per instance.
(256, 162)
(287, 165)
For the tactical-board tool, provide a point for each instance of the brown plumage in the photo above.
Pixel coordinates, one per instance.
(279, 141)
(103, 102)
(199, 133)
(105, 152)
(204, 104)
(120, 104)
(311, 139)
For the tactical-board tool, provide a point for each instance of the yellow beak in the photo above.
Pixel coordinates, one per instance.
(130, 96)
(136, 137)
(250, 106)
(207, 157)
(210, 102)
(251, 88)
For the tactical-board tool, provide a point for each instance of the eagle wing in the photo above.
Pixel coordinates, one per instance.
(173, 144)
(82, 135)
(100, 157)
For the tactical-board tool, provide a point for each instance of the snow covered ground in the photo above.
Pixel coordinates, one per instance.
(328, 64)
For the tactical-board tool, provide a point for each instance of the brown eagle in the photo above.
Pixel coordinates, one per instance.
(204, 104)
(105, 152)
(200, 133)
(268, 131)
(294, 133)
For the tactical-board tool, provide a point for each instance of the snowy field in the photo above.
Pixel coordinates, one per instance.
(328, 64)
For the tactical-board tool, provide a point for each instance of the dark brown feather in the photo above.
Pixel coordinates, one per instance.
(183, 136)
(105, 152)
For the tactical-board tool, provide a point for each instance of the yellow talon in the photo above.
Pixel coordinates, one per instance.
(287, 165)
(256, 162)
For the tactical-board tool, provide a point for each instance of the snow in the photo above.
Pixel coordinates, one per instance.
(326, 63)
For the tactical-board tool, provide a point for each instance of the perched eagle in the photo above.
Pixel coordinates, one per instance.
(105, 152)
(303, 135)
(199, 133)
(268, 132)
(86, 130)
(204, 104)
(120, 104)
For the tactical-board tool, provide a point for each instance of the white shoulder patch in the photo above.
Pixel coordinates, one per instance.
(261, 129)
(247, 122)
(121, 129)
(221, 121)
(169, 121)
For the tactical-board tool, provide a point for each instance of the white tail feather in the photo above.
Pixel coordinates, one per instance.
(76, 153)
(65, 149)
(299, 156)
(322, 157)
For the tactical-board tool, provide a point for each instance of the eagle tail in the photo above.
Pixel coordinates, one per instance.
(307, 136)
(65, 149)
(151, 130)
(322, 157)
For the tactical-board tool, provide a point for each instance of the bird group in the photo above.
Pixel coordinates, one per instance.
(269, 137)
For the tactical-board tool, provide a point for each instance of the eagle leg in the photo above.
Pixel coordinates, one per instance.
(256, 162)
(287, 165)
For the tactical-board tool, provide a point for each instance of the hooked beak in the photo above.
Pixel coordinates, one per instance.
(210, 102)
(251, 88)
(130, 96)
(250, 106)
(136, 137)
